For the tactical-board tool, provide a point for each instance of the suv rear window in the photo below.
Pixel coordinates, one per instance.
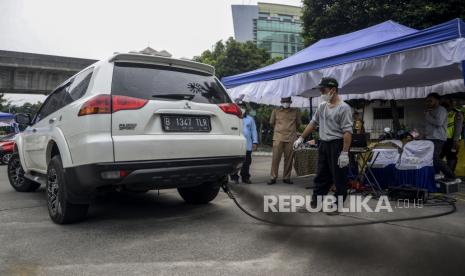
(148, 81)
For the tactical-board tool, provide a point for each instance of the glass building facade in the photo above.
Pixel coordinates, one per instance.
(279, 38)
(275, 28)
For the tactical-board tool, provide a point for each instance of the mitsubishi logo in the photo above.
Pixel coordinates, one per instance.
(187, 106)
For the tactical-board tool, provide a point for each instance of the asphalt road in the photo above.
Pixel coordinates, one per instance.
(158, 234)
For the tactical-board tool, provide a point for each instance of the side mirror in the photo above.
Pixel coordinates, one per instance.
(23, 119)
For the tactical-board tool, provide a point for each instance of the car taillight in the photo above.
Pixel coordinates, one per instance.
(231, 108)
(127, 103)
(100, 104)
(106, 104)
(8, 147)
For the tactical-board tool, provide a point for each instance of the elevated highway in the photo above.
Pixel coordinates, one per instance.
(27, 73)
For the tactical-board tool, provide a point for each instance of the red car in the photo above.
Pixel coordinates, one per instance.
(7, 146)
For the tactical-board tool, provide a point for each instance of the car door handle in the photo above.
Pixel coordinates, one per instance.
(53, 120)
(34, 130)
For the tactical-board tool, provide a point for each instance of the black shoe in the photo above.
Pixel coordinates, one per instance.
(247, 181)
(333, 213)
(302, 210)
(314, 203)
(452, 180)
(288, 181)
(271, 182)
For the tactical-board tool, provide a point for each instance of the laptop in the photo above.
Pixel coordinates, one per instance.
(360, 140)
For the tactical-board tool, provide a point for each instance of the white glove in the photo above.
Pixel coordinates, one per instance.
(343, 159)
(298, 142)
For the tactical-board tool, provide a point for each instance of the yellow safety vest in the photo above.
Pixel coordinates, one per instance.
(450, 124)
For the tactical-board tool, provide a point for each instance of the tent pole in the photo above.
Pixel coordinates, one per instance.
(363, 111)
(311, 107)
(311, 113)
(395, 116)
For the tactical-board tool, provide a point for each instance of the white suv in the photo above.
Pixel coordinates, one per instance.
(134, 122)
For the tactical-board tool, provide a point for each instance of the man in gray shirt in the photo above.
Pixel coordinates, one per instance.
(334, 118)
(436, 132)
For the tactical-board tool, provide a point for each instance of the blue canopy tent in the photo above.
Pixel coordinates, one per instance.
(6, 116)
(385, 61)
(7, 120)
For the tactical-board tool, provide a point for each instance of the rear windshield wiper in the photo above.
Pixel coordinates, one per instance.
(175, 96)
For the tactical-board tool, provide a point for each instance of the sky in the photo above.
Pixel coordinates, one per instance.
(96, 29)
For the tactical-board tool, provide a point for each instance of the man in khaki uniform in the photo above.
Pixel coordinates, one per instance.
(286, 121)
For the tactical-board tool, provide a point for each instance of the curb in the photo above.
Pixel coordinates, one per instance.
(262, 153)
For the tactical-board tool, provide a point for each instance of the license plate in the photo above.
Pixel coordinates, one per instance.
(183, 123)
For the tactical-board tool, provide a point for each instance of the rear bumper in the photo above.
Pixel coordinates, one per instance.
(84, 180)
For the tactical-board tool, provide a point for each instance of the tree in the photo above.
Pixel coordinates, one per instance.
(328, 18)
(263, 123)
(26, 108)
(421, 14)
(232, 57)
(2, 103)
(273, 60)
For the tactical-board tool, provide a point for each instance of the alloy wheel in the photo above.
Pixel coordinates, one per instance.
(16, 172)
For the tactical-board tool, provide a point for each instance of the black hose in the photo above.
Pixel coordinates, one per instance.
(444, 201)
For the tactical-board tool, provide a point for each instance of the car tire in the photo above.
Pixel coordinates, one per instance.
(201, 194)
(61, 211)
(16, 176)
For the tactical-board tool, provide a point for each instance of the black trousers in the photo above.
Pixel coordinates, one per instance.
(439, 164)
(450, 156)
(245, 170)
(328, 172)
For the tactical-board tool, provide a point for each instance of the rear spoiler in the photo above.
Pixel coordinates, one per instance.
(164, 61)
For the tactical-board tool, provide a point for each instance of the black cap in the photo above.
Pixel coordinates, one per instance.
(240, 102)
(434, 96)
(286, 99)
(328, 83)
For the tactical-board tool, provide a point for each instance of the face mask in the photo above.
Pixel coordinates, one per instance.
(327, 97)
(253, 113)
(286, 105)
